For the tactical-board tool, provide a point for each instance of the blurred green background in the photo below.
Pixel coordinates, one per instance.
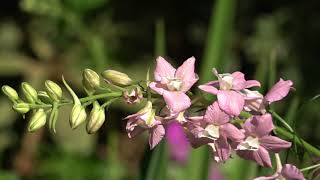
(43, 39)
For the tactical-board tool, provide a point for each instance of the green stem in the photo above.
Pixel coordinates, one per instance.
(274, 114)
(310, 167)
(298, 141)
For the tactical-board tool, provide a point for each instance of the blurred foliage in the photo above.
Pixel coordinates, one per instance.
(42, 39)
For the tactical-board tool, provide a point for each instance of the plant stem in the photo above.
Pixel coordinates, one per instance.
(310, 167)
(82, 100)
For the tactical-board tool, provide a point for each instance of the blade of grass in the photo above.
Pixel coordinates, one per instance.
(198, 164)
(160, 46)
(218, 37)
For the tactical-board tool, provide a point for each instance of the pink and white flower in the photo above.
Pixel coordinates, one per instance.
(214, 129)
(173, 83)
(258, 140)
(143, 120)
(227, 88)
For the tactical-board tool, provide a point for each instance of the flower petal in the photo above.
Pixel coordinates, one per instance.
(274, 144)
(223, 149)
(186, 73)
(261, 156)
(290, 171)
(278, 91)
(231, 102)
(210, 87)
(163, 69)
(238, 81)
(231, 132)
(259, 125)
(156, 135)
(157, 87)
(215, 115)
(176, 101)
(252, 83)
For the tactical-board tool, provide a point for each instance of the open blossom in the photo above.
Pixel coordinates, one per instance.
(254, 101)
(258, 140)
(214, 129)
(227, 88)
(173, 83)
(288, 172)
(143, 120)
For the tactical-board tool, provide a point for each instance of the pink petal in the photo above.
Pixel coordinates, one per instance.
(261, 156)
(157, 87)
(231, 132)
(163, 69)
(156, 135)
(231, 102)
(186, 73)
(278, 91)
(291, 172)
(273, 177)
(221, 149)
(238, 81)
(176, 101)
(252, 83)
(210, 88)
(274, 144)
(215, 115)
(259, 125)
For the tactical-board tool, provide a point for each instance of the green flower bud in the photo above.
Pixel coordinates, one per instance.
(116, 77)
(54, 91)
(96, 118)
(44, 97)
(90, 80)
(38, 120)
(10, 93)
(21, 107)
(29, 92)
(78, 116)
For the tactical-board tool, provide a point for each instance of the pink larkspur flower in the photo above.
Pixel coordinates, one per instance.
(227, 88)
(288, 172)
(143, 120)
(258, 140)
(214, 129)
(254, 101)
(173, 83)
(177, 141)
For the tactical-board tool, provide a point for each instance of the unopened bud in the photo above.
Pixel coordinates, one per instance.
(117, 77)
(29, 92)
(96, 118)
(10, 93)
(38, 120)
(78, 115)
(54, 91)
(90, 80)
(44, 97)
(132, 96)
(21, 107)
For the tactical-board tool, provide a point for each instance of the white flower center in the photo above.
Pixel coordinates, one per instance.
(180, 118)
(174, 84)
(225, 81)
(212, 132)
(250, 143)
(148, 118)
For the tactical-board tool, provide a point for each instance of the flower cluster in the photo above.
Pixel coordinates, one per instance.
(237, 121)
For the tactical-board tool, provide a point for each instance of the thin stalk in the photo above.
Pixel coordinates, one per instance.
(310, 167)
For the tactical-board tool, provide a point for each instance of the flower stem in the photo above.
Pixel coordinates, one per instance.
(310, 167)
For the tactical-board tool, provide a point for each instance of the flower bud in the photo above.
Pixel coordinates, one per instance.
(54, 91)
(44, 97)
(132, 96)
(29, 92)
(78, 115)
(10, 93)
(38, 120)
(116, 77)
(96, 118)
(21, 107)
(91, 79)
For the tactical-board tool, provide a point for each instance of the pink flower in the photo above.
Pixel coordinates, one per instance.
(214, 129)
(132, 96)
(258, 140)
(227, 88)
(254, 101)
(177, 141)
(143, 120)
(288, 172)
(173, 83)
